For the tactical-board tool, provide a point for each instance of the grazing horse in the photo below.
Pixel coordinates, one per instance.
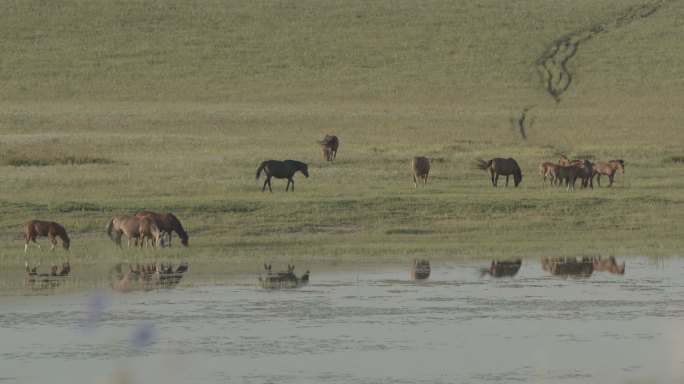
(281, 170)
(133, 227)
(330, 144)
(609, 169)
(420, 168)
(499, 166)
(587, 173)
(568, 267)
(167, 224)
(34, 228)
(420, 270)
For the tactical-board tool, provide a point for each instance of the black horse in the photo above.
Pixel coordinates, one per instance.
(281, 170)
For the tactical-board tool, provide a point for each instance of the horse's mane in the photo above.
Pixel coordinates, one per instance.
(179, 228)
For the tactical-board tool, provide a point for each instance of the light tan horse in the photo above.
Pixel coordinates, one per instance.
(330, 144)
(609, 169)
(420, 168)
(499, 166)
(133, 227)
(35, 228)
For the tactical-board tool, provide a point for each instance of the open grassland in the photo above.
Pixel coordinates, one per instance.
(112, 107)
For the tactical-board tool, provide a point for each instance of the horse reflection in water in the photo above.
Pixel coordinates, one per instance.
(420, 270)
(502, 268)
(568, 267)
(46, 280)
(145, 277)
(282, 279)
(608, 265)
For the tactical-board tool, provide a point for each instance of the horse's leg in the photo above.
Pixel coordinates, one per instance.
(610, 180)
(53, 241)
(493, 179)
(598, 179)
(288, 183)
(507, 180)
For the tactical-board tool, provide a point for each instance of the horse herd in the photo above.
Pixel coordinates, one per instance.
(157, 227)
(154, 227)
(565, 170)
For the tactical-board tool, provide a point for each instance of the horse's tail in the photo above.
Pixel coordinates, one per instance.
(481, 164)
(261, 167)
(109, 228)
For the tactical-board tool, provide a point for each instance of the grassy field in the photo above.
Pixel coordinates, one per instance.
(110, 107)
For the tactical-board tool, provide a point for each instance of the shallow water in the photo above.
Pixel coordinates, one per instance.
(367, 324)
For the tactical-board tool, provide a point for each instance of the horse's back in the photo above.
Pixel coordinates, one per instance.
(420, 165)
(504, 166)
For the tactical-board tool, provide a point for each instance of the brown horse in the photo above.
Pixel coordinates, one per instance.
(420, 168)
(167, 223)
(133, 227)
(330, 144)
(420, 270)
(609, 169)
(569, 173)
(499, 166)
(545, 169)
(34, 228)
(282, 170)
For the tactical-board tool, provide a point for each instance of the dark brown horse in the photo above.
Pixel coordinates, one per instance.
(499, 166)
(569, 173)
(330, 144)
(133, 227)
(282, 170)
(420, 168)
(609, 169)
(167, 223)
(35, 228)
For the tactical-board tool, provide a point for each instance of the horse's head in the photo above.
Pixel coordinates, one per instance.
(305, 170)
(619, 164)
(517, 177)
(563, 159)
(65, 243)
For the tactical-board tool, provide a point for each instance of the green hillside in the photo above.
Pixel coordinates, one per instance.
(109, 107)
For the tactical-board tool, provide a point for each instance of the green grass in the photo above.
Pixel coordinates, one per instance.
(111, 107)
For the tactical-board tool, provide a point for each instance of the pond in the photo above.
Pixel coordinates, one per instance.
(357, 324)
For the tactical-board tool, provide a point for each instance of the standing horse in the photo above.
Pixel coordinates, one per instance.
(34, 228)
(330, 144)
(545, 169)
(420, 168)
(167, 223)
(281, 170)
(499, 166)
(133, 227)
(569, 173)
(609, 169)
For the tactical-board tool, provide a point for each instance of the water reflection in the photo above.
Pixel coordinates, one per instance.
(46, 280)
(282, 279)
(146, 276)
(357, 323)
(420, 269)
(502, 268)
